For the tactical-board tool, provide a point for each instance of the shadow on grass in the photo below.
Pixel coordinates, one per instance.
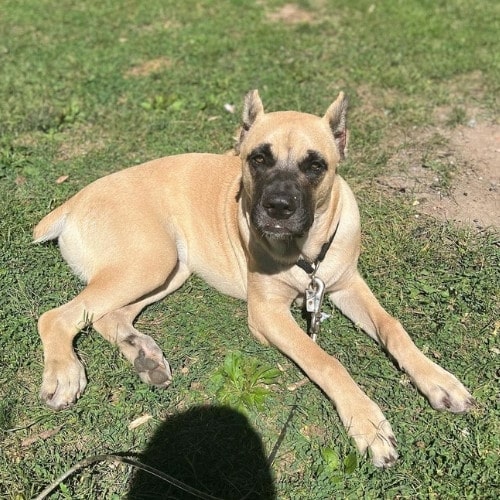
(212, 449)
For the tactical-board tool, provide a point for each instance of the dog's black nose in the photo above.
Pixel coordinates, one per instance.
(280, 206)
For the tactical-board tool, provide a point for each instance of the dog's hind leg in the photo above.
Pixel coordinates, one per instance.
(140, 349)
(109, 289)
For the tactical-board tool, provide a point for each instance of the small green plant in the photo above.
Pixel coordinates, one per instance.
(70, 114)
(163, 103)
(243, 382)
(12, 160)
(332, 468)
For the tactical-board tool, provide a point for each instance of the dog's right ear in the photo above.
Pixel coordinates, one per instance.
(252, 109)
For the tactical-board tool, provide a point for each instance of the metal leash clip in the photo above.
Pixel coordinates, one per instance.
(314, 299)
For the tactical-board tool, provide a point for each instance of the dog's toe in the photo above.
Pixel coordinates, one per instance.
(443, 390)
(454, 399)
(63, 383)
(372, 433)
(446, 392)
(383, 446)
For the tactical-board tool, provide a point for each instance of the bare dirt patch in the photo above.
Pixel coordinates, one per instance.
(79, 142)
(474, 197)
(149, 67)
(450, 174)
(291, 13)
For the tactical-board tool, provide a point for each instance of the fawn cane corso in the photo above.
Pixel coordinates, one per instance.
(242, 223)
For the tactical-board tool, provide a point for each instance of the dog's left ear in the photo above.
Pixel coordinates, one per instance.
(336, 116)
(252, 109)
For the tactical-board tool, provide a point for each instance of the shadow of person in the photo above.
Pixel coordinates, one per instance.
(211, 448)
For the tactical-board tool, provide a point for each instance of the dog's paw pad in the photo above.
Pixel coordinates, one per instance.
(153, 372)
(160, 378)
(144, 364)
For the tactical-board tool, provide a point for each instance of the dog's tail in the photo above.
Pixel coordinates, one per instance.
(51, 226)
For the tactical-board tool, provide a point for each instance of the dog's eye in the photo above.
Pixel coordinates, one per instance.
(261, 157)
(316, 166)
(313, 166)
(258, 159)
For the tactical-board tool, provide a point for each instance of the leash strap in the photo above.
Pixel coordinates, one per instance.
(316, 289)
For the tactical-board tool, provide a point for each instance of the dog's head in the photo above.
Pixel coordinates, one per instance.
(289, 161)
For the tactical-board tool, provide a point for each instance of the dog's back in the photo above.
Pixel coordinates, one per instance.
(136, 210)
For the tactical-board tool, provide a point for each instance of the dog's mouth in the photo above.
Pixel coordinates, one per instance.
(278, 231)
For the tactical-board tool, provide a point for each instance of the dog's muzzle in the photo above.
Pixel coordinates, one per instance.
(282, 210)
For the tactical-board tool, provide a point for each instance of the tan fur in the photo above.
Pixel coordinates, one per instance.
(135, 236)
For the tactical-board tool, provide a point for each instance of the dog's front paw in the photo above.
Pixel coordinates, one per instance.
(372, 433)
(444, 391)
(63, 383)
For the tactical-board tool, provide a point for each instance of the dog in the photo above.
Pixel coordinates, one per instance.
(265, 225)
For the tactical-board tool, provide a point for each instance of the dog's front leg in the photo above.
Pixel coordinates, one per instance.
(270, 321)
(441, 388)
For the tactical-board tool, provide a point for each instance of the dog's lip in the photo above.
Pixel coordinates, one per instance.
(277, 230)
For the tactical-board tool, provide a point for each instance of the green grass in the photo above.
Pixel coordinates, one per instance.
(77, 100)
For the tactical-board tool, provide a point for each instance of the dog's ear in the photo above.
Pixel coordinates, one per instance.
(336, 116)
(252, 109)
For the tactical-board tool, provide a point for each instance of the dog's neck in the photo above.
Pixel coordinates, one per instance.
(289, 251)
(285, 251)
(310, 266)
(323, 230)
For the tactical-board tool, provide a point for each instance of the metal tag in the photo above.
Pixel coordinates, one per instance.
(310, 300)
(314, 299)
(314, 295)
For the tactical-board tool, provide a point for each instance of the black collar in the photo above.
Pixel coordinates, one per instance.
(310, 267)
